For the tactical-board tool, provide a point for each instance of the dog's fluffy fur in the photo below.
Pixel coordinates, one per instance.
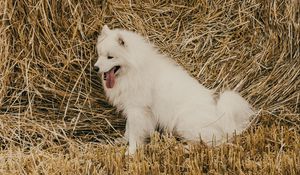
(153, 90)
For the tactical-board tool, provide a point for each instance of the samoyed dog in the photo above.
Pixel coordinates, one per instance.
(152, 90)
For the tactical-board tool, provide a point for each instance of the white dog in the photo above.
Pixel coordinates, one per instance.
(153, 90)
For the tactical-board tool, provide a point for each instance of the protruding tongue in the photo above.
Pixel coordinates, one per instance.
(110, 78)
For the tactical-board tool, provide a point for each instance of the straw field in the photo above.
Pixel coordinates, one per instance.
(54, 117)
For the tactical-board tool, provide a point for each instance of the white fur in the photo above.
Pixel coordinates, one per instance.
(151, 89)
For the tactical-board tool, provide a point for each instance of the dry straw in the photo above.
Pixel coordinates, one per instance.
(54, 118)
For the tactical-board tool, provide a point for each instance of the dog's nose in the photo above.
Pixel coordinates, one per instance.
(96, 68)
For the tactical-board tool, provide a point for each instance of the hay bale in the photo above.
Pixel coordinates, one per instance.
(50, 95)
(49, 53)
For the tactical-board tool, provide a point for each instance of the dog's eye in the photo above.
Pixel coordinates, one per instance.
(109, 57)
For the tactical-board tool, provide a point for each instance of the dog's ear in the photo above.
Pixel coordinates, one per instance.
(121, 41)
(105, 30)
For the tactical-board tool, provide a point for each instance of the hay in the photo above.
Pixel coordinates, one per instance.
(52, 103)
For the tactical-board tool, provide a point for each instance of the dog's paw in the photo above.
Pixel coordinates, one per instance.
(130, 151)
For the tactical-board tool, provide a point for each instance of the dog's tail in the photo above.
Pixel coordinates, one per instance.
(235, 112)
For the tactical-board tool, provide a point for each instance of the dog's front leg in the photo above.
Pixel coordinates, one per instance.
(139, 125)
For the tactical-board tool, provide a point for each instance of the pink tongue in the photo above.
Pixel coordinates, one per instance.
(110, 79)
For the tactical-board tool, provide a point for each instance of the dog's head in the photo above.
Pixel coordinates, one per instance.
(119, 52)
(112, 55)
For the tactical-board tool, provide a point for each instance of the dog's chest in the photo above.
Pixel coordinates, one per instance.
(115, 97)
(128, 97)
